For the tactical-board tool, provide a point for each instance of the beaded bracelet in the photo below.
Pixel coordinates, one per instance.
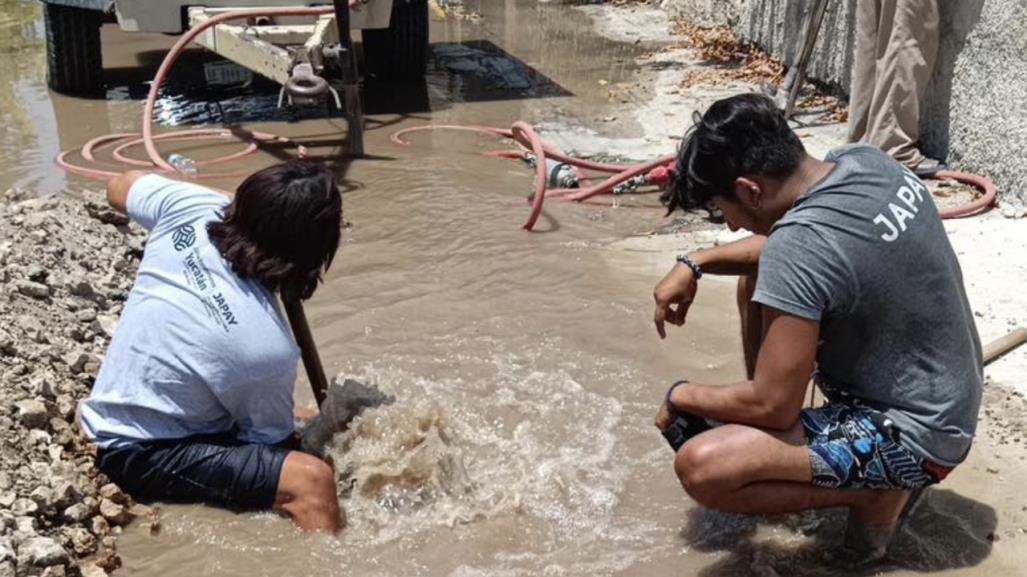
(683, 259)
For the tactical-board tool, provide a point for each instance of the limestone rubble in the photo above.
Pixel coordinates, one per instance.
(66, 267)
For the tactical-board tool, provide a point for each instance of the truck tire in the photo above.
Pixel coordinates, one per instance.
(74, 63)
(399, 52)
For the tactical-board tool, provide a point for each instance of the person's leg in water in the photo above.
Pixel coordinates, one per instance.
(307, 493)
(306, 486)
(223, 471)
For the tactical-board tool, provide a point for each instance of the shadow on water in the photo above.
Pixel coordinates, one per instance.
(945, 531)
(479, 71)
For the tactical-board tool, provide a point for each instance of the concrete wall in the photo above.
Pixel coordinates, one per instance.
(975, 112)
(705, 12)
(976, 108)
(779, 26)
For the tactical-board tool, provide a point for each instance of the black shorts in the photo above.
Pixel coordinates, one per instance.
(214, 469)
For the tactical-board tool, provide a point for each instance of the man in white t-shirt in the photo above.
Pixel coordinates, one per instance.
(194, 400)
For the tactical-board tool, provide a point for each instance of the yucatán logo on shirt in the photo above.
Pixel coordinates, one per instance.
(183, 237)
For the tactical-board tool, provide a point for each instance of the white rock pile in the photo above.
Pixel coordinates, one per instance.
(66, 266)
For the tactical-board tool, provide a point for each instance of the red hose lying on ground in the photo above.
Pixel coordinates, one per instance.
(654, 172)
(975, 206)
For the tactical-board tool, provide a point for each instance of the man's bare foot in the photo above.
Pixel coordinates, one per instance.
(872, 526)
(863, 545)
(883, 507)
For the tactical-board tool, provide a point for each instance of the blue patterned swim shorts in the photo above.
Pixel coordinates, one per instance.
(855, 447)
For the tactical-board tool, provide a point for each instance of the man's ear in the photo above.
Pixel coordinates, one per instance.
(749, 192)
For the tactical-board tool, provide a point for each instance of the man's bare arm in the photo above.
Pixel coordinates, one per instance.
(676, 291)
(773, 399)
(118, 187)
(737, 258)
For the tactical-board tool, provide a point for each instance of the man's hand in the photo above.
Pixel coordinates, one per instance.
(303, 413)
(673, 296)
(663, 417)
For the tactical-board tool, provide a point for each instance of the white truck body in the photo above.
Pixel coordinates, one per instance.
(170, 16)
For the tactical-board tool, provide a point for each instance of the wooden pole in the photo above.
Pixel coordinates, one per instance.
(1003, 345)
(816, 18)
(308, 350)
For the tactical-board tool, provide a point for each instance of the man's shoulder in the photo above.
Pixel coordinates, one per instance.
(795, 235)
(856, 151)
(862, 178)
(161, 203)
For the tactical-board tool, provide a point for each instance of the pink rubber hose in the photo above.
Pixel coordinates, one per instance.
(975, 206)
(656, 172)
(525, 135)
(123, 141)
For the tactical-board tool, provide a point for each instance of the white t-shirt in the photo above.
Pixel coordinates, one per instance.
(197, 350)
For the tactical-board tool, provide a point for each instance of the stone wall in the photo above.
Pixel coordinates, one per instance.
(975, 112)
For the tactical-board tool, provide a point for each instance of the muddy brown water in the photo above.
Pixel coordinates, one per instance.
(526, 367)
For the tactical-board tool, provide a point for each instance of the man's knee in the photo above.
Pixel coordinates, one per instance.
(696, 467)
(751, 313)
(306, 492)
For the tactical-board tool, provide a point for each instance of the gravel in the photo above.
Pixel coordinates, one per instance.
(66, 266)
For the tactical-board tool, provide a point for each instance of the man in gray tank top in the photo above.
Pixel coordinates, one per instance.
(849, 277)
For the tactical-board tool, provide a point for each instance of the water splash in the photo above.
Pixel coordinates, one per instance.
(406, 461)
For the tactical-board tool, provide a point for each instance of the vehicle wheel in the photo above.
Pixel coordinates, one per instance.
(399, 52)
(74, 63)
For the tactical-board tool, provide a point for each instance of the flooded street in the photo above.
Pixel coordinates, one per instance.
(525, 365)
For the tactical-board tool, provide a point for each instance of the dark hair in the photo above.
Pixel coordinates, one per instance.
(738, 136)
(282, 228)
